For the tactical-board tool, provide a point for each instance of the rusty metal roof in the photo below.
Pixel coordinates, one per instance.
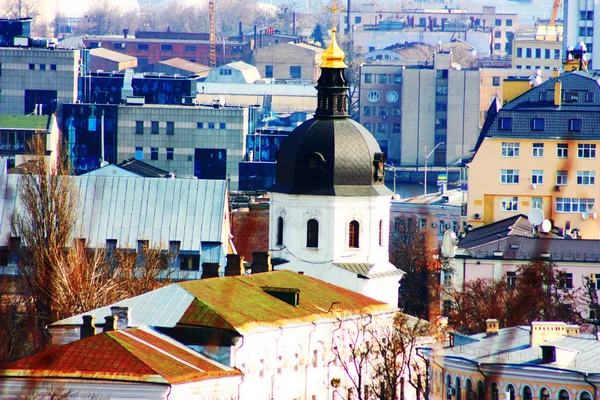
(133, 355)
(240, 303)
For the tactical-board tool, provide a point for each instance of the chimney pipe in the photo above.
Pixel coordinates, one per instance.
(123, 316)
(255, 37)
(240, 29)
(110, 323)
(210, 270)
(235, 265)
(294, 23)
(125, 33)
(491, 326)
(261, 262)
(260, 39)
(88, 328)
(557, 93)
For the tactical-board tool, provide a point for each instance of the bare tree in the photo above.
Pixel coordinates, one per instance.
(21, 8)
(44, 223)
(378, 358)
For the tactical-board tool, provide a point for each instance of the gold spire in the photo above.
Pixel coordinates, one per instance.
(333, 56)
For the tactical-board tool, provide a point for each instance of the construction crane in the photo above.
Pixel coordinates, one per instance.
(554, 12)
(212, 34)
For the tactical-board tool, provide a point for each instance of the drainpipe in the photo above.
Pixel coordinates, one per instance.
(306, 366)
(585, 377)
(243, 373)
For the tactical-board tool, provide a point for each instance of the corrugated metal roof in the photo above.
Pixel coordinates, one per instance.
(130, 209)
(134, 355)
(513, 346)
(239, 303)
(368, 271)
(111, 55)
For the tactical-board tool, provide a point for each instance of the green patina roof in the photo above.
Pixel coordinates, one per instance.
(8, 121)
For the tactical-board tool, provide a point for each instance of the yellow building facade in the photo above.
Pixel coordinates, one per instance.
(540, 151)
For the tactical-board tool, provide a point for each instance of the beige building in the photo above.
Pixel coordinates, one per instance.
(539, 151)
(288, 61)
(538, 49)
(108, 60)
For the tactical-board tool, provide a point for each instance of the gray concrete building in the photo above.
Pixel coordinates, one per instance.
(37, 80)
(417, 110)
(190, 141)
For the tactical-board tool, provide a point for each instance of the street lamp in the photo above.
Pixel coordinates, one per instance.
(426, 158)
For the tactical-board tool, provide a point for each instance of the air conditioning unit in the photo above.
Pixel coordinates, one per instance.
(557, 188)
(477, 216)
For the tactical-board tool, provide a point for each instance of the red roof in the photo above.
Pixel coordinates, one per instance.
(136, 355)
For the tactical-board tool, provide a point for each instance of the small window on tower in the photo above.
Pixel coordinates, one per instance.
(353, 233)
(312, 233)
(279, 240)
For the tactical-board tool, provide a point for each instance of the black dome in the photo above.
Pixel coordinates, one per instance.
(330, 156)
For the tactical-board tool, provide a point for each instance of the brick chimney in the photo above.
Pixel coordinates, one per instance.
(492, 326)
(123, 315)
(573, 330)
(235, 265)
(557, 93)
(110, 323)
(210, 270)
(88, 328)
(543, 331)
(261, 262)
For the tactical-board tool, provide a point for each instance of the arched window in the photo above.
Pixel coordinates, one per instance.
(480, 391)
(468, 388)
(527, 394)
(585, 396)
(279, 241)
(544, 394)
(511, 391)
(457, 387)
(353, 233)
(380, 232)
(563, 395)
(494, 390)
(312, 233)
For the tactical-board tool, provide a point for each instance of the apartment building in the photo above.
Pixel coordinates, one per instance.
(429, 95)
(502, 25)
(580, 19)
(539, 151)
(540, 48)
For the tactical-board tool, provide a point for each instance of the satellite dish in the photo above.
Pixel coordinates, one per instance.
(449, 244)
(585, 216)
(535, 217)
(586, 57)
(546, 226)
(595, 215)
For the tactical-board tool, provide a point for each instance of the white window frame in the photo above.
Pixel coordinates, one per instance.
(537, 177)
(509, 176)
(561, 151)
(510, 149)
(538, 150)
(509, 203)
(586, 178)
(561, 178)
(586, 150)
(537, 202)
(574, 205)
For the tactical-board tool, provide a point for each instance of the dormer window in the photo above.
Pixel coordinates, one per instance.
(505, 124)
(575, 125)
(537, 124)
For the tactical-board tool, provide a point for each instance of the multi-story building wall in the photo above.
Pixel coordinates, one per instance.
(288, 61)
(37, 79)
(540, 48)
(579, 20)
(539, 151)
(408, 109)
(502, 25)
(152, 47)
(199, 141)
